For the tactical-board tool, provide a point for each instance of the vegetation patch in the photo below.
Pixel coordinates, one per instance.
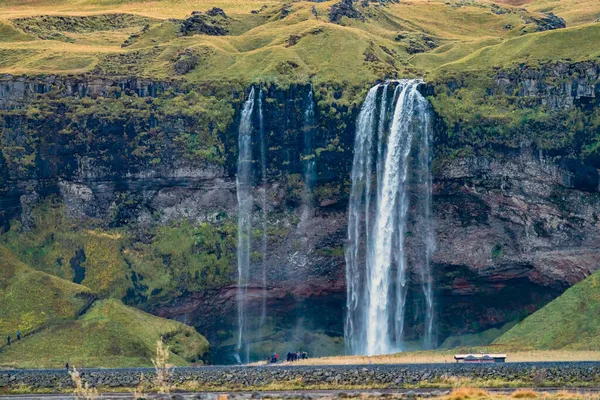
(108, 335)
(575, 325)
(53, 27)
(30, 299)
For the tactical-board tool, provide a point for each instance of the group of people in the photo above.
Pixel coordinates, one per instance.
(8, 339)
(291, 356)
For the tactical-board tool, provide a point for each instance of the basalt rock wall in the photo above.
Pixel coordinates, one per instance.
(514, 226)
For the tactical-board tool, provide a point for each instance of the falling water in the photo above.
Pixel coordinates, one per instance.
(263, 207)
(376, 263)
(425, 226)
(245, 201)
(308, 163)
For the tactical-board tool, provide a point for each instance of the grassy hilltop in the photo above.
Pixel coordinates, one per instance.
(285, 41)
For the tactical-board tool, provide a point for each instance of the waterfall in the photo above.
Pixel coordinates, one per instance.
(263, 206)
(377, 269)
(308, 160)
(243, 183)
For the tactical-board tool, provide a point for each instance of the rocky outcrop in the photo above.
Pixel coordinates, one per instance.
(19, 91)
(549, 22)
(344, 8)
(186, 61)
(554, 85)
(213, 23)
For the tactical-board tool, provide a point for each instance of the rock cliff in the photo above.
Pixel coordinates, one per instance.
(515, 226)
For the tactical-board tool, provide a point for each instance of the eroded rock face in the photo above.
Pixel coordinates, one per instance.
(555, 85)
(19, 91)
(514, 228)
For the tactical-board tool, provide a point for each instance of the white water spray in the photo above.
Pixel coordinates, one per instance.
(245, 201)
(376, 264)
(263, 207)
(308, 163)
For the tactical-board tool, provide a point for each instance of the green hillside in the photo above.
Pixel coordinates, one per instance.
(108, 335)
(279, 41)
(57, 327)
(570, 322)
(30, 299)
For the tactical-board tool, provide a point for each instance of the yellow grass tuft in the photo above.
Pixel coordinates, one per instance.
(163, 370)
(468, 393)
(83, 391)
(525, 394)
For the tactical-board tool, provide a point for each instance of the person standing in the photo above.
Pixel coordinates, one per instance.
(8, 341)
(18, 335)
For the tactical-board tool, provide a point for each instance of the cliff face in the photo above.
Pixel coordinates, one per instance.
(514, 227)
(556, 85)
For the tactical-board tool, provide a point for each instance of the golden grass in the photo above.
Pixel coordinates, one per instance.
(469, 36)
(468, 393)
(447, 356)
(157, 9)
(525, 394)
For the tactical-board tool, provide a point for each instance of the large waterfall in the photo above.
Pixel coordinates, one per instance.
(391, 167)
(245, 202)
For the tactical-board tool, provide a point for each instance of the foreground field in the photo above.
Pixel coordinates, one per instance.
(456, 394)
(425, 357)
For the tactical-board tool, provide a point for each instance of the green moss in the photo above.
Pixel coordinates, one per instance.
(478, 116)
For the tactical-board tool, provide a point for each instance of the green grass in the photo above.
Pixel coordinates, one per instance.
(353, 53)
(31, 299)
(48, 312)
(8, 33)
(449, 53)
(570, 322)
(108, 335)
(571, 44)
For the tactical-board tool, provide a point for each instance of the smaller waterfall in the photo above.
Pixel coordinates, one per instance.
(263, 207)
(308, 161)
(377, 269)
(424, 223)
(245, 202)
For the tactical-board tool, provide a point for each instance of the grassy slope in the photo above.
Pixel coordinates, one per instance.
(257, 49)
(108, 335)
(47, 311)
(572, 44)
(573, 11)
(575, 324)
(30, 299)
